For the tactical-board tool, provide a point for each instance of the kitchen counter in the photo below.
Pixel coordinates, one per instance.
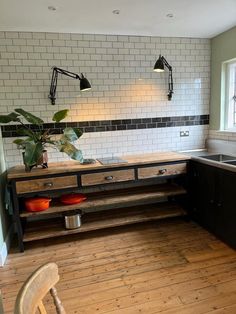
(131, 160)
(212, 195)
(199, 155)
(142, 188)
(75, 166)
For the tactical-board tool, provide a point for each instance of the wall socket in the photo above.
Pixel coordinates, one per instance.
(184, 133)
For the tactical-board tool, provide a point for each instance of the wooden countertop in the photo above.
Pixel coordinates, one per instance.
(74, 166)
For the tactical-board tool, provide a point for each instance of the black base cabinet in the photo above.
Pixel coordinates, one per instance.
(213, 200)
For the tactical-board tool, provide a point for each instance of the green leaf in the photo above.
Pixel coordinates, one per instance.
(27, 132)
(78, 132)
(20, 143)
(72, 134)
(60, 115)
(70, 150)
(11, 117)
(29, 117)
(32, 153)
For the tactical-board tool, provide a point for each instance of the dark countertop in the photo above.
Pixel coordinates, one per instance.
(199, 154)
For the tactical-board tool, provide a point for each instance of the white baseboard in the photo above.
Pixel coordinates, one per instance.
(3, 254)
(5, 247)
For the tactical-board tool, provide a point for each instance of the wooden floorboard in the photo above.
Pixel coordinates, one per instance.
(169, 267)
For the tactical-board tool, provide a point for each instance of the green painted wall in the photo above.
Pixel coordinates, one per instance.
(4, 222)
(223, 49)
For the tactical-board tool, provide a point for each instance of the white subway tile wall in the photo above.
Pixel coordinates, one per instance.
(118, 143)
(222, 135)
(123, 86)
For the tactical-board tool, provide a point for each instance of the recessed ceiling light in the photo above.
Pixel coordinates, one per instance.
(170, 15)
(51, 8)
(116, 11)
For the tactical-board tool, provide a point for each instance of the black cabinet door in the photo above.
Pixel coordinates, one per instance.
(226, 207)
(213, 200)
(202, 194)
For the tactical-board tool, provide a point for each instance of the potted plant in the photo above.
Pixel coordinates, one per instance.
(37, 139)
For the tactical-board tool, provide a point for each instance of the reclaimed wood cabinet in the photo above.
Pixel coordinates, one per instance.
(146, 187)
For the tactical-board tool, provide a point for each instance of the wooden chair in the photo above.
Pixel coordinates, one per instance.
(31, 294)
(1, 304)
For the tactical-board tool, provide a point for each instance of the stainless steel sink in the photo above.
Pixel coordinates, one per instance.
(220, 157)
(232, 162)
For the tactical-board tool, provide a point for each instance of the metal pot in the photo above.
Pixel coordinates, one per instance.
(73, 220)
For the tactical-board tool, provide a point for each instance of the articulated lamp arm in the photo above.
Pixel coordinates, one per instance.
(170, 78)
(159, 67)
(84, 83)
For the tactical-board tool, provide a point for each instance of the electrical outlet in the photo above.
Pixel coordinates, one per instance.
(184, 133)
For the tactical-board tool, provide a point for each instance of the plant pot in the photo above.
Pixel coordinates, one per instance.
(42, 161)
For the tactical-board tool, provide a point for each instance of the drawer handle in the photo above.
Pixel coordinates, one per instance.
(162, 171)
(48, 184)
(109, 178)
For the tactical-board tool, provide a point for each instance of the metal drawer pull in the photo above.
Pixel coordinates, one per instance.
(162, 171)
(48, 184)
(109, 178)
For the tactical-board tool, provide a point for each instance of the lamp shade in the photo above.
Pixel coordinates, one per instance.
(84, 83)
(159, 65)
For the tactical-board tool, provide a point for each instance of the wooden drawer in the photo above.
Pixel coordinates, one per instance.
(161, 171)
(107, 177)
(37, 185)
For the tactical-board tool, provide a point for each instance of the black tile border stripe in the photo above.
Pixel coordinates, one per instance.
(115, 125)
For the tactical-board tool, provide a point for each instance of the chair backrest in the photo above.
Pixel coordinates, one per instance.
(31, 294)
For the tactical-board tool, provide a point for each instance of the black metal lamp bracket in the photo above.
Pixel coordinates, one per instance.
(170, 78)
(53, 87)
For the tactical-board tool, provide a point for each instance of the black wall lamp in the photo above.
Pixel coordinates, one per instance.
(84, 83)
(160, 67)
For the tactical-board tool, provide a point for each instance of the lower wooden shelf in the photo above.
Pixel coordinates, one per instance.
(115, 199)
(103, 219)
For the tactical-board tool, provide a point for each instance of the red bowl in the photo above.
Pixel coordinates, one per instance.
(70, 199)
(37, 204)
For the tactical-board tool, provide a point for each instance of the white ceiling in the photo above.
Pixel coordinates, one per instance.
(192, 18)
